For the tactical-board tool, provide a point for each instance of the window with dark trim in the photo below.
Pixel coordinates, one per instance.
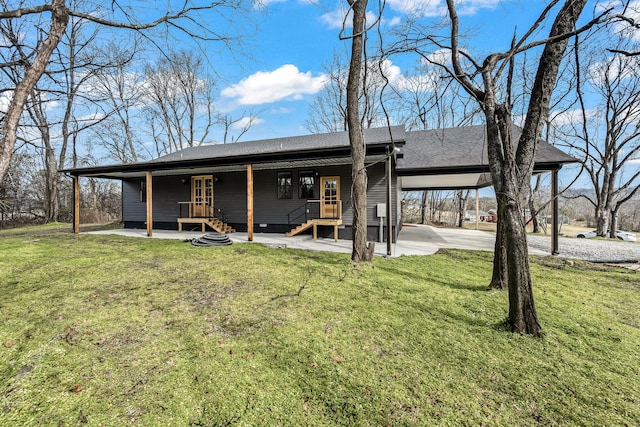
(305, 185)
(285, 185)
(143, 190)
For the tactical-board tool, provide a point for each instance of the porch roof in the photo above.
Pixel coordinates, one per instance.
(304, 151)
(456, 158)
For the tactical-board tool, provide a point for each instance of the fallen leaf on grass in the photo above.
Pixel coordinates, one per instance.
(76, 388)
(336, 359)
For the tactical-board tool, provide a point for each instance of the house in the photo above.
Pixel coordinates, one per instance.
(297, 184)
(471, 216)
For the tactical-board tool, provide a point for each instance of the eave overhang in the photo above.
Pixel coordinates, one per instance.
(298, 158)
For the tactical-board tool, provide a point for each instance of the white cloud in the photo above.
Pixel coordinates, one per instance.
(264, 87)
(336, 18)
(417, 8)
(613, 69)
(5, 100)
(51, 105)
(431, 8)
(281, 110)
(261, 4)
(246, 122)
(440, 56)
(632, 11)
(565, 118)
(264, 4)
(396, 20)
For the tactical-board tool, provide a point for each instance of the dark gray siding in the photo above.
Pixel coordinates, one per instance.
(230, 196)
(270, 213)
(167, 192)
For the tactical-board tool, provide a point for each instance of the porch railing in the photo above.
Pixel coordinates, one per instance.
(209, 211)
(311, 210)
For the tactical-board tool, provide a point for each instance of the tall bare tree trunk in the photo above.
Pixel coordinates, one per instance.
(532, 208)
(361, 250)
(59, 20)
(602, 220)
(499, 279)
(462, 206)
(423, 207)
(613, 222)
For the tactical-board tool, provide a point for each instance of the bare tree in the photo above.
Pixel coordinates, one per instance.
(328, 110)
(179, 101)
(607, 138)
(362, 251)
(121, 91)
(59, 19)
(489, 82)
(178, 17)
(242, 125)
(430, 100)
(71, 65)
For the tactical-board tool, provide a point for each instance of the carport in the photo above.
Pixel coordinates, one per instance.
(456, 159)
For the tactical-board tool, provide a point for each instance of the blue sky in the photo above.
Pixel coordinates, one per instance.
(296, 38)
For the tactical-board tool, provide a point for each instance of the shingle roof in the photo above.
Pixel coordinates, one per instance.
(323, 141)
(455, 150)
(462, 148)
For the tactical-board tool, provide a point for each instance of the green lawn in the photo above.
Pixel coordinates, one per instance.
(106, 330)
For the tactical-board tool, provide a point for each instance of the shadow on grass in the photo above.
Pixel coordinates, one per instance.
(430, 279)
(461, 317)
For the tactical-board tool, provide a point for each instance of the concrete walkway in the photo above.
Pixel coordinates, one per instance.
(413, 240)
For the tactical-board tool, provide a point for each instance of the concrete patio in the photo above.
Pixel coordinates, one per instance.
(413, 240)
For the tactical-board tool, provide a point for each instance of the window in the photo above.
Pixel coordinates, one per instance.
(143, 190)
(285, 185)
(305, 188)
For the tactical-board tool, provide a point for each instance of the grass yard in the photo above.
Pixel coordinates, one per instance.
(114, 331)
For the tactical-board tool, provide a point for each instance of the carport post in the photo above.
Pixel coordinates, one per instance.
(554, 213)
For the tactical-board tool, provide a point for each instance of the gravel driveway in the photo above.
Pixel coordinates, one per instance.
(590, 249)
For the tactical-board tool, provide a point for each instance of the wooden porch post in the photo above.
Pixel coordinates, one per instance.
(554, 213)
(389, 199)
(250, 202)
(149, 194)
(76, 204)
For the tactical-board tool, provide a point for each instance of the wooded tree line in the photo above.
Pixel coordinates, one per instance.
(62, 80)
(84, 84)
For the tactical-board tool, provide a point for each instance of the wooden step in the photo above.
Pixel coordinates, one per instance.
(299, 229)
(213, 223)
(334, 222)
(219, 226)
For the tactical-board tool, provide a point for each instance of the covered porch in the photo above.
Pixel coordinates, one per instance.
(249, 186)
